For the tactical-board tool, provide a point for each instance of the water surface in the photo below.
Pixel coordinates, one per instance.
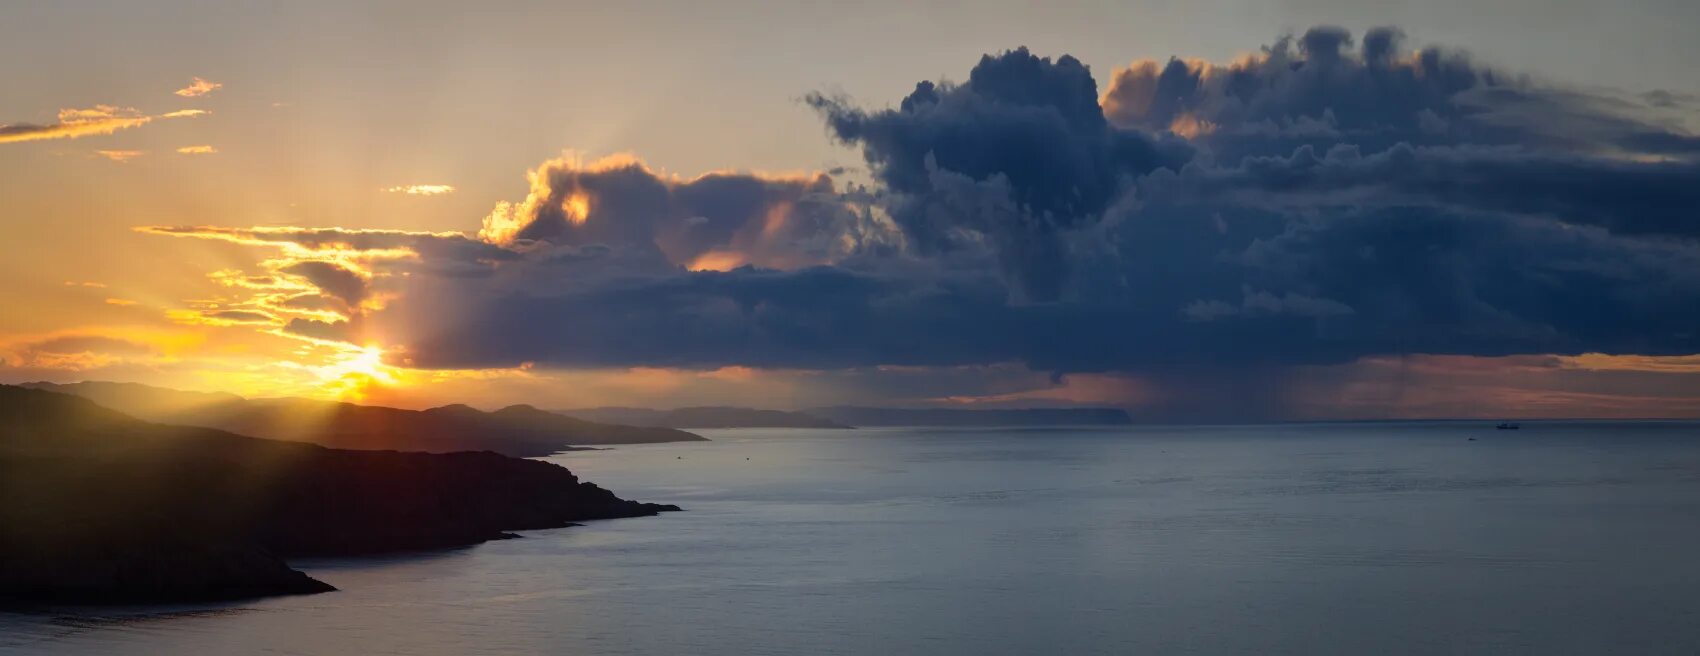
(1306, 539)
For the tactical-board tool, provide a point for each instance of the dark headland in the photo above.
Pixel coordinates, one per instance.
(99, 507)
(520, 430)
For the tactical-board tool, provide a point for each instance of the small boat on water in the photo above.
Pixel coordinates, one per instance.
(1508, 426)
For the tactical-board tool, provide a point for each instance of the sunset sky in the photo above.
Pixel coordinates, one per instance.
(1199, 211)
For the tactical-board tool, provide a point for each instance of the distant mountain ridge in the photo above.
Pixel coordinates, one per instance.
(865, 416)
(518, 430)
(99, 507)
(704, 417)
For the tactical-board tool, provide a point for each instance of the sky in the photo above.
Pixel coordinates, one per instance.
(1199, 211)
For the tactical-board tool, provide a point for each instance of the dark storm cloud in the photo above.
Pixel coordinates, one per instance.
(334, 280)
(1388, 281)
(1629, 197)
(1317, 90)
(1329, 198)
(1016, 154)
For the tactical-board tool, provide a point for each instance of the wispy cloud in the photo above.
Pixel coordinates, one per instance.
(73, 123)
(197, 150)
(97, 120)
(120, 156)
(79, 283)
(78, 352)
(199, 87)
(422, 189)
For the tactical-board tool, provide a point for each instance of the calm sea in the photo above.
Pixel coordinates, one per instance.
(1572, 538)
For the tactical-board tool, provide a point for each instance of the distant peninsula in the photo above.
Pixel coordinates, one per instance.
(704, 417)
(100, 507)
(863, 416)
(518, 430)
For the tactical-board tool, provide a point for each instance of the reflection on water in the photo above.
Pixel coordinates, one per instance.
(1326, 539)
(58, 624)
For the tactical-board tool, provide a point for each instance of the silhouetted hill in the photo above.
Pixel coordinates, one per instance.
(704, 417)
(521, 431)
(96, 506)
(860, 416)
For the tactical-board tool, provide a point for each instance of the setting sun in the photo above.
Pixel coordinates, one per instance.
(356, 373)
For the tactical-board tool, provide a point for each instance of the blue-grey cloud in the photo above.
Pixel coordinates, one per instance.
(1013, 156)
(1329, 198)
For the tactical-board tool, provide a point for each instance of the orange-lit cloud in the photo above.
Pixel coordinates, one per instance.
(121, 302)
(220, 317)
(715, 221)
(199, 87)
(346, 246)
(196, 150)
(422, 189)
(86, 349)
(717, 261)
(76, 283)
(1685, 364)
(120, 155)
(323, 282)
(1190, 126)
(75, 123)
(1521, 386)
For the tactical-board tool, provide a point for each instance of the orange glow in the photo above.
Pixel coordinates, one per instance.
(353, 376)
(717, 261)
(1190, 126)
(1658, 363)
(577, 208)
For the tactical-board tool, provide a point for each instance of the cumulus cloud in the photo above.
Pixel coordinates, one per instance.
(1317, 89)
(1329, 199)
(714, 221)
(75, 123)
(1013, 157)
